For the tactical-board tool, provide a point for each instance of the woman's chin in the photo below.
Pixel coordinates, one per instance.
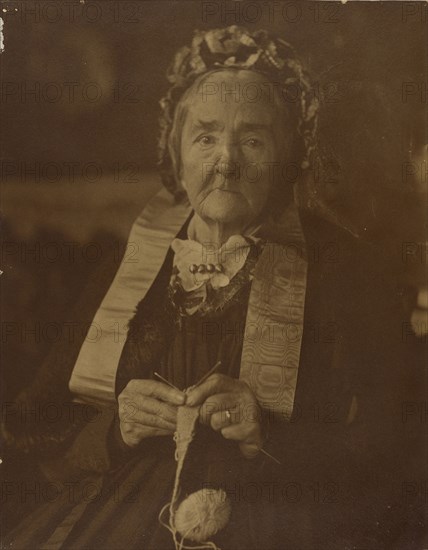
(224, 216)
(227, 209)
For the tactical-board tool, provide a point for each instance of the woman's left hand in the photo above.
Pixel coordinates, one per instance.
(230, 407)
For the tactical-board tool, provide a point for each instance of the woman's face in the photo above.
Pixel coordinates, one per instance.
(228, 147)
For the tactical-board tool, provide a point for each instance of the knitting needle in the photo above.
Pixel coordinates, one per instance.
(166, 381)
(197, 384)
(270, 456)
(209, 373)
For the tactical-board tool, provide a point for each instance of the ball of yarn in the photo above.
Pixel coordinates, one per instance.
(202, 514)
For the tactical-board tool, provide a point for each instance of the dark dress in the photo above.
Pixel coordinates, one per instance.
(334, 486)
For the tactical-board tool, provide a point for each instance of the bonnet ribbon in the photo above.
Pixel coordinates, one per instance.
(274, 324)
(94, 374)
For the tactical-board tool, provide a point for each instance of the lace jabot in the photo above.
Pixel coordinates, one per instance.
(205, 279)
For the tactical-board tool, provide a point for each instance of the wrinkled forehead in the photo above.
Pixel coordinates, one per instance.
(225, 94)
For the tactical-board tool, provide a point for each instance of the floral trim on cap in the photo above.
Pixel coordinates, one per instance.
(236, 47)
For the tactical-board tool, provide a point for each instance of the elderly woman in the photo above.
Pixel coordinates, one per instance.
(263, 319)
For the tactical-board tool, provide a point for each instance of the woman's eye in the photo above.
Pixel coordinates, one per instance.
(205, 140)
(253, 142)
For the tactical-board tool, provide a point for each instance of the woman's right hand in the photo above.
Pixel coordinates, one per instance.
(148, 408)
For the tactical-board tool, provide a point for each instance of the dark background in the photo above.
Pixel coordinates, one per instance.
(361, 55)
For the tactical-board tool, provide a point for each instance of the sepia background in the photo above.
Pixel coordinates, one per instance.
(79, 106)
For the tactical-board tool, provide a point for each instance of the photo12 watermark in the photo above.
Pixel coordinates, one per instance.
(74, 12)
(269, 12)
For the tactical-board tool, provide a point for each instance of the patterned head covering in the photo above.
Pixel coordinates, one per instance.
(235, 47)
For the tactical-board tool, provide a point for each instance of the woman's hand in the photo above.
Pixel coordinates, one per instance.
(230, 407)
(147, 408)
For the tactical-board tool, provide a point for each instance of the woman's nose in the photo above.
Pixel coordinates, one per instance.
(228, 163)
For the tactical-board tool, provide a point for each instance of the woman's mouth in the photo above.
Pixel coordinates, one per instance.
(226, 190)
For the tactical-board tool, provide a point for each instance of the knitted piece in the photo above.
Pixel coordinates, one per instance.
(186, 422)
(203, 513)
